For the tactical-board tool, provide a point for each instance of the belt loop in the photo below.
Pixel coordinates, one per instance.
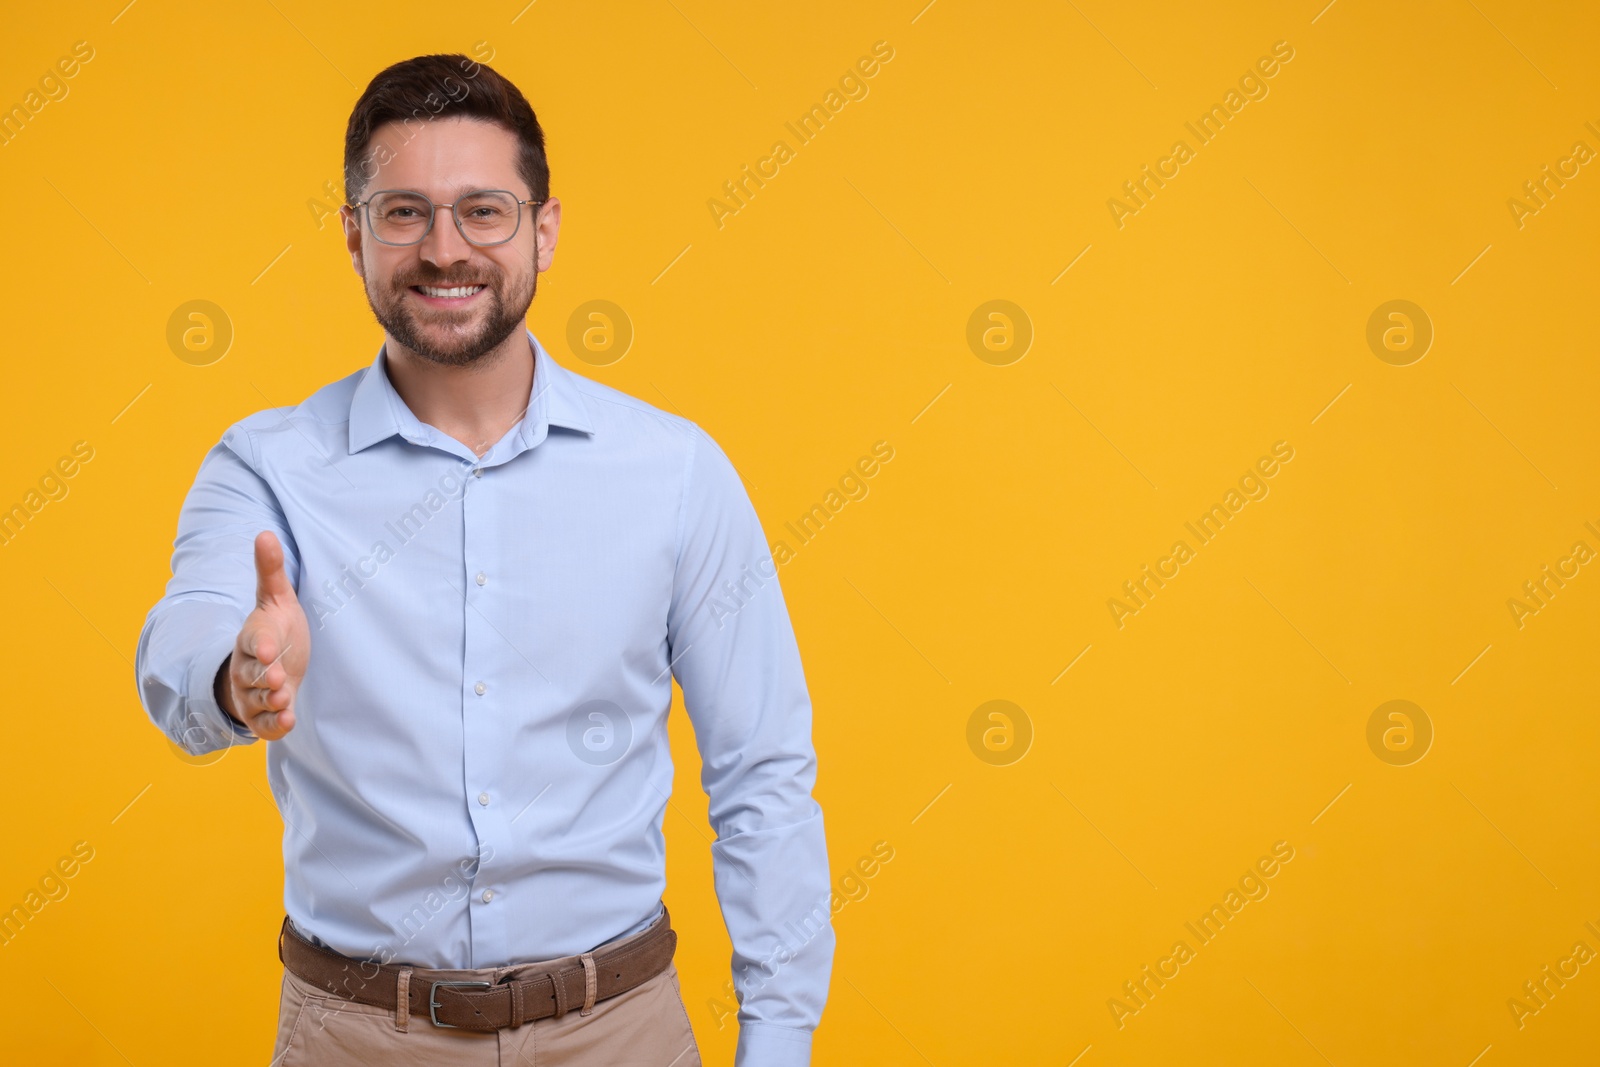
(561, 993)
(402, 1001)
(518, 1012)
(590, 984)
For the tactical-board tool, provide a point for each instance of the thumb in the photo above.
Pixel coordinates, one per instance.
(272, 582)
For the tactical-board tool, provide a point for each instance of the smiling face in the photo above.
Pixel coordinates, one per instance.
(447, 300)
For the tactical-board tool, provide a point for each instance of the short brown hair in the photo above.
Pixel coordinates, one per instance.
(427, 87)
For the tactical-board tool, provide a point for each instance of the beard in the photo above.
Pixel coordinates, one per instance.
(453, 337)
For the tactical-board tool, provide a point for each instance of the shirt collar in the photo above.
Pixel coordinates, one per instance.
(377, 412)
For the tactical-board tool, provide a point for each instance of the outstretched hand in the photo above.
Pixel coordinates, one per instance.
(274, 646)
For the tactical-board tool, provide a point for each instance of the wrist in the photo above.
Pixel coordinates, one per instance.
(222, 690)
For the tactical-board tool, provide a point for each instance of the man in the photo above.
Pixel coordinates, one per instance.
(475, 574)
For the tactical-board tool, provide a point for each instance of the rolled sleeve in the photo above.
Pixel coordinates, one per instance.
(734, 654)
(194, 626)
(772, 1046)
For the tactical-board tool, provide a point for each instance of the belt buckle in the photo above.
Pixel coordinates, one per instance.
(434, 1005)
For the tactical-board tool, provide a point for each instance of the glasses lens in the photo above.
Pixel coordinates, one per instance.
(488, 217)
(399, 218)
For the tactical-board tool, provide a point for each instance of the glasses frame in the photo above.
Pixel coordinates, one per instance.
(433, 213)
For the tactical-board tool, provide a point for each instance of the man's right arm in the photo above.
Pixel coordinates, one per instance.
(190, 633)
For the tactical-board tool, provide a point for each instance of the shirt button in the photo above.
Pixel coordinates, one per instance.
(482, 578)
(488, 895)
(477, 472)
(483, 798)
(480, 688)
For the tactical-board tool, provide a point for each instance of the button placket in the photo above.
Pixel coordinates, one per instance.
(479, 731)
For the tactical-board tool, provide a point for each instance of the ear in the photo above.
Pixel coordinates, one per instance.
(549, 228)
(352, 238)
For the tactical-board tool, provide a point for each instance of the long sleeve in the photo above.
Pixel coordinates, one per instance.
(193, 627)
(733, 652)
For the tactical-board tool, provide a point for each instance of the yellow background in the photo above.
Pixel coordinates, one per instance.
(831, 312)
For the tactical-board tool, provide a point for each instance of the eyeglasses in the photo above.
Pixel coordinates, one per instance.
(405, 217)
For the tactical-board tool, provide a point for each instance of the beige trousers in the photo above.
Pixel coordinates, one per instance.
(645, 1027)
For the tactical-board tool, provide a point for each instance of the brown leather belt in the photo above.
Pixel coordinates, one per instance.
(448, 1000)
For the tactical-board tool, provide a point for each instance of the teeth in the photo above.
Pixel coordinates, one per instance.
(466, 290)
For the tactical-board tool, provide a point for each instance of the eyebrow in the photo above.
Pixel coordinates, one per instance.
(458, 190)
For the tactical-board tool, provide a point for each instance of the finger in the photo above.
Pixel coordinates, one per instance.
(271, 675)
(262, 643)
(248, 702)
(271, 725)
(263, 699)
(260, 675)
(272, 582)
(250, 642)
(247, 672)
(265, 725)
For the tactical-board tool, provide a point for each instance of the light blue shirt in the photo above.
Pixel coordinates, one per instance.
(479, 765)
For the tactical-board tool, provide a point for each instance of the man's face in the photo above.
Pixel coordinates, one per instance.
(442, 159)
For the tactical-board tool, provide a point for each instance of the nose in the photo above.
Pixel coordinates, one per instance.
(444, 244)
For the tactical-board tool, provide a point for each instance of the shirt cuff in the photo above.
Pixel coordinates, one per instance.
(764, 1045)
(205, 725)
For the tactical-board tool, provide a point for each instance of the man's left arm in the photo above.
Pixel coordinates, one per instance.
(733, 652)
